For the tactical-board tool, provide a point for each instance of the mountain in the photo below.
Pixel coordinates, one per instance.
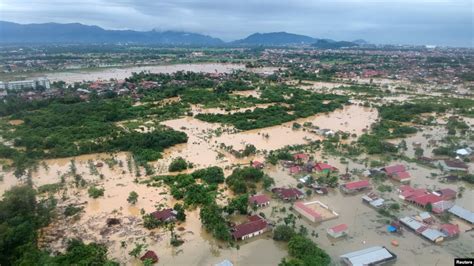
(275, 38)
(330, 44)
(79, 33)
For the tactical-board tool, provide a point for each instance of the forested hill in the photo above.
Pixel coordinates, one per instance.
(79, 33)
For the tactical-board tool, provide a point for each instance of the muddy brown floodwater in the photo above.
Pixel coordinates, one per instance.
(122, 73)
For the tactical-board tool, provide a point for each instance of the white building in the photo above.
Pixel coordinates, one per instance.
(26, 84)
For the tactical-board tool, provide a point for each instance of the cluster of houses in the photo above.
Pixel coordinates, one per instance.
(439, 200)
(301, 163)
(425, 226)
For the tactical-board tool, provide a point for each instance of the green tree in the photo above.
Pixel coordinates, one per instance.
(132, 197)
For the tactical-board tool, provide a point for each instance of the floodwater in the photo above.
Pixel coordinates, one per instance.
(122, 73)
(205, 139)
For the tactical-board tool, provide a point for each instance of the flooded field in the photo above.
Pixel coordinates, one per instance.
(122, 73)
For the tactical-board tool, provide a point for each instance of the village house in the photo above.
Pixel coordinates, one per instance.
(431, 234)
(300, 157)
(450, 230)
(462, 213)
(255, 226)
(373, 200)
(446, 194)
(257, 165)
(324, 167)
(315, 211)
(453, 165)
(370, 256)
(259, 200)
(338, 230)
(409, 192)
(150, 255)
(356, 186)
(288, 193)
(166, 215)
(442, 206)
(397, 172)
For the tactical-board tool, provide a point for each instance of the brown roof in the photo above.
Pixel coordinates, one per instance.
(150, 255)
(394, 169)
(255, 224)
(164, 215)
(455, 164)
(259, 199)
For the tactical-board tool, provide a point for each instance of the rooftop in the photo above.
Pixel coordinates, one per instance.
(369, 256)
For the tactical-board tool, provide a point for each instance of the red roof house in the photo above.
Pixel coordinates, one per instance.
(259, 200)
(165, 215)
(446, 193)
(390, 170)
(338, 230)
(398, 172)
(288, 193)
(401, 176)
(257, 164)
(407, 192)
(300, 157)
(256, 225)
(424, 200)
(320, 167)
(355, 186)
(450, 230)
(295, 169)
(151, 256)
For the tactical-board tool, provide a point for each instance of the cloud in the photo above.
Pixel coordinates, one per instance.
(445, 22)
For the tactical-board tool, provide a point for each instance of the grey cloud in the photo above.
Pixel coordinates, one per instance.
(443, 22)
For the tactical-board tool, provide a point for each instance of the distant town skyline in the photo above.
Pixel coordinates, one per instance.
(429, 22)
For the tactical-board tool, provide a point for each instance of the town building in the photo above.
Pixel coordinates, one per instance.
(255, 226)
(462, 213)
(259, 200)
(446, 193)
(315, 211)
(422, 229)
(166, 215)
(373, 200)
(398, 172)
(27, 84)
(453, 165)
(288, 193)
(338, 230)
(370, 256)
(324, 167)
(150, 255)
(450, 230)
(356, 186)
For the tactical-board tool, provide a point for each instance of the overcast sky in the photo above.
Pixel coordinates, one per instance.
(440, 22)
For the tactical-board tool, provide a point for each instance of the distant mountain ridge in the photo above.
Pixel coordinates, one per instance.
(275, 38)
(78, 33)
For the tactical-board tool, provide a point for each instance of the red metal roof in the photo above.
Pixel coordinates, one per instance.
(425, 199)
(401, 175)
(324, 166)
(450, 229)
(259, 199)
(255, 224)
(395, 169)
(150, 255)
(300, 156)
(308, 210)
(447, 193)
(339, 228)
(357, 184)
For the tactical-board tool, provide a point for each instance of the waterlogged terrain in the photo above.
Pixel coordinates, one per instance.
(372, 129)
